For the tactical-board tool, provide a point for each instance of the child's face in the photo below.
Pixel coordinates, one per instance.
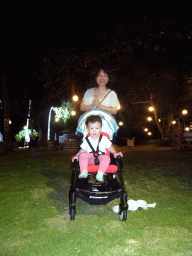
(94, 129)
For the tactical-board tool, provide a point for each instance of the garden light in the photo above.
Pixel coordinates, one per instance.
(56, 119)
(151, 109)
(146, 129)
(119, 107)
(149, 118)
(149, 133)
(120, 123)
(184, 112)
(187, 129)
(75, 98)
(174, 122)
(73, 113)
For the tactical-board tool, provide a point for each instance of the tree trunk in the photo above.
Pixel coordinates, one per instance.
(161, 130)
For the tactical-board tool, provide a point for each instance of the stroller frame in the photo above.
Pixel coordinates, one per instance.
(99, 193)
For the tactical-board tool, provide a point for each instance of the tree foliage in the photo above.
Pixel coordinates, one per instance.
(159, 88)
(137, 82)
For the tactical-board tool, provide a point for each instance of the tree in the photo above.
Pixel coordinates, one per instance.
(55, 75)
(159, 89)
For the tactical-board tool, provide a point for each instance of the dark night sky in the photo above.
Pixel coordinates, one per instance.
(169, 33)
(27, 40)
(24, 43)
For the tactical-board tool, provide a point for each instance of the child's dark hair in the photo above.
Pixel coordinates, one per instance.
(93, 119)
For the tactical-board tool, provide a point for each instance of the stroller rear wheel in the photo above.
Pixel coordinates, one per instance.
(123, 215)
(72, 204)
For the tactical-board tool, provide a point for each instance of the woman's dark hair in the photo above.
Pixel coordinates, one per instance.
(93, 119)
(105, 70)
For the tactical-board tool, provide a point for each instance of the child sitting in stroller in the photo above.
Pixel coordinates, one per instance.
(93, 149)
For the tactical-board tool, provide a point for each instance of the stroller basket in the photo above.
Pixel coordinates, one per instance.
(98, 198)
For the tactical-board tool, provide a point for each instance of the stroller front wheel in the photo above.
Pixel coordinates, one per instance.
(123, 215)
(72, 214)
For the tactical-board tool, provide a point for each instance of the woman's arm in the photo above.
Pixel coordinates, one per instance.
(111, 110)
(87, 102)
(85, 107)
(96, 103)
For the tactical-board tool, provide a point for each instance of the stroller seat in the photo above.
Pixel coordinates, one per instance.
(94, 169)
(97, 193)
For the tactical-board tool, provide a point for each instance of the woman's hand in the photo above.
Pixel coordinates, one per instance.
(111, 110)
(85, 107)
(96, 102)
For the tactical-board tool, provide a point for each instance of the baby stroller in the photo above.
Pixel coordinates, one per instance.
(111, 188)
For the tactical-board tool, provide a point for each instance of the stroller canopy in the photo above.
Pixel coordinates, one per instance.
(109, 124)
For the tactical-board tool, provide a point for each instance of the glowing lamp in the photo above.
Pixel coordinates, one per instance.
(120, 123)
(187, 129)
(149, 133)
(149, 118)
(73, 113)
(173, 122)
(75, 98)
(184, 112)
(119, 107)
(151, 109)
(146, 129)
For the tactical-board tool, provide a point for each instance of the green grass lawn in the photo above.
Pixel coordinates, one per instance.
(34, 212)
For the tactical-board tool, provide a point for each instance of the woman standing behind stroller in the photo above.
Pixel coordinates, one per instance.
(101, 96)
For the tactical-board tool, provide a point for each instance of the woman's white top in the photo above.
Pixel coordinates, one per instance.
(110, 101)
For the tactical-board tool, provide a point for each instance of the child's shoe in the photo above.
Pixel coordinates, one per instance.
(83, 174)
(99, 176)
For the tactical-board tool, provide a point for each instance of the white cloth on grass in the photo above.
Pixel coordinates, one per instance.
(134, 205)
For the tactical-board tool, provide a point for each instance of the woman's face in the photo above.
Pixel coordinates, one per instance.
(102, 78)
